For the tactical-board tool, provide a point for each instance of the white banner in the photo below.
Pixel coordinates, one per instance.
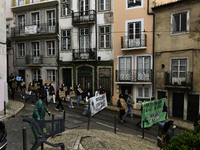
(31, 29)
(98, 103)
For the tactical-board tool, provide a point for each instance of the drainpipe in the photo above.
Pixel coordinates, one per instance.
(58, 41)
(153, 45)
(95, 86)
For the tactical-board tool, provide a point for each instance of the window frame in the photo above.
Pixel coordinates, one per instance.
(66, 37)
(51, 75)
(133, 7)
(51, 51)
(173, 32)
(68, 7)
(22, 50)
(37, 50)
(104, 5)
(105, 34)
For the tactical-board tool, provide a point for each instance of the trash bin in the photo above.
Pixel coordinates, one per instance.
(160, 133)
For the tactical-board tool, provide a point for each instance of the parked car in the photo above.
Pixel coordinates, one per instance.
(3, 135)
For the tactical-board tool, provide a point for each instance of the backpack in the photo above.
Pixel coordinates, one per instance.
(119, 103)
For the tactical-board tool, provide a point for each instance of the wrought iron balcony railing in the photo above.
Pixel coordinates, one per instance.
(84, 54)
(186, 81)
(134, 41)
(144, 75)
(34, 60)
(84, 17)
(27, 30)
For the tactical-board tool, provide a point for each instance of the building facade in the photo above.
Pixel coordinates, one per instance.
(35, 39)
(3, 56)
(177, 57)
(86, 44)
(133, 47)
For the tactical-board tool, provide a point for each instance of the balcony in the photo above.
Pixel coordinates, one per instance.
(34, 61)
(131, 42)
(185, 82)
(84, 54)
(134, 75)
(83, 17)
(30, 30)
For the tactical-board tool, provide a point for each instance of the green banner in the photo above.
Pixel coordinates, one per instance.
(154, 112)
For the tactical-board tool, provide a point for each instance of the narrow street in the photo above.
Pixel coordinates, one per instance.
(104, 120)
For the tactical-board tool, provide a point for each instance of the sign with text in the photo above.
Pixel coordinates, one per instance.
(30, 29)
(154, 112)
(98, 103)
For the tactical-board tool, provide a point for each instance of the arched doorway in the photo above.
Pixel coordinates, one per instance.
(85, 78)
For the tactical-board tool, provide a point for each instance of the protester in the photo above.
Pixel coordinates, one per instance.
(101, 90)
(31, 93)
(52, 93)
(197, 122)
(121, 106)
(70, 97)
(23, 88)
(170, 131)
(40, 109)
(129, 105)
(58, 98)
(79, 93)
(139, 122)
(13, 88)
(18, 79)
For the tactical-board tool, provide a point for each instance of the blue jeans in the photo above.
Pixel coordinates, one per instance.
(70, 102)
(23, 91)
(79, 98)
(129, 110)
(31, 97)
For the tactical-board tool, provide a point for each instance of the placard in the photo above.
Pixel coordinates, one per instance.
(61, 93)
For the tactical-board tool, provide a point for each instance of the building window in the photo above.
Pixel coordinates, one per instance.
(125, 66)
(36, 49)
(143, 72)
(36, 74)
(20, 2)
(84, 39)
(35, 1)
(134, 3)
(35, 19)
(179, 68)
(51, 18)
(105, 37)
(21, 49)
(104, 5)
(7, 31)
(51, 48)
(180, 22)
(65, 8)
(143, 94)
(51, 75)
(66, 39)
(21, 22)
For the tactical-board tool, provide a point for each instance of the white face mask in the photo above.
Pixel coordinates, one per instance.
(174, 127)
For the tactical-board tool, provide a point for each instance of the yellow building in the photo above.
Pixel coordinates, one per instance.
(133, 47)
(177, 53)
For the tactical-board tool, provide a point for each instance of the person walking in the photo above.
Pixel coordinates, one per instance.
(129, 105)
(31, 93)
(52, 93)
(23, 88)
(58, 98)
(121, 106)
(70, 97)
(40, 108)
(13, 88)
(79, 94)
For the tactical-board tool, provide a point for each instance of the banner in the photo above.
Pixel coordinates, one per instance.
(154, 112)
(30, 29)
(98, 103)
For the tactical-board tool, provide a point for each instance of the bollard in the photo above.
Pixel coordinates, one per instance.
(24, 136)
(4, 107)
(88, 127)
(64, 115)
(42, 146)
(115, 125)
(53, 116)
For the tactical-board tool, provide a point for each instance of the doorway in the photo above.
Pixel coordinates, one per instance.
(178, 102)
(67, 77)
(126, 89)
(193, 107)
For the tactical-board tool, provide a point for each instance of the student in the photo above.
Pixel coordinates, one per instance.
(129, 105)
(121, 106)
(40, 108)
(58, 98)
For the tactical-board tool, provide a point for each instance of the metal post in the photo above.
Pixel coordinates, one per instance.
(24, 138)
(115, 125)
(4, 107)
(42, 146)
(143, 130)
(64, 115)
(88, 127)
(53, 116)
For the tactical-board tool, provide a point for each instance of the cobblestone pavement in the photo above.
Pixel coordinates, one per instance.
(95, 139)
